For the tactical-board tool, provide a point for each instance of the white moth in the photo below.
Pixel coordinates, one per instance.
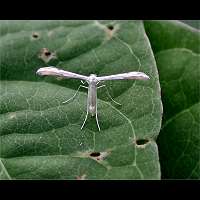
(93, 82)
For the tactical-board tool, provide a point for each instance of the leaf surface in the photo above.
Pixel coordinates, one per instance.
(193, 23)
(41, 137)
(179, 139)
(168, 34)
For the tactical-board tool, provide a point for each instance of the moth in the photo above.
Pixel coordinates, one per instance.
(93, 82)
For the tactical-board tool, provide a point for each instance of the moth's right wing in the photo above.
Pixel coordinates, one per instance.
(53, 71)
(125, 76)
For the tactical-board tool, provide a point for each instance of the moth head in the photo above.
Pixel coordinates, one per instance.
(93, 78)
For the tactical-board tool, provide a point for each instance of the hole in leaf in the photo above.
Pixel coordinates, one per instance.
(110, 27)
(35, 35)
(142, 141)
(46, 55)
(95, 154)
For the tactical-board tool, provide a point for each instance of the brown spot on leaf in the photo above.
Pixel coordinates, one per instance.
(110, 29)
(98, 156)
(46, 55)
(82, 177)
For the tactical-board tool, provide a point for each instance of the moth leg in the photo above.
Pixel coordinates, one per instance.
(101, 86)
(109, 94)
(83, 82)
(97, 121)
(86, 116)
(75, 94)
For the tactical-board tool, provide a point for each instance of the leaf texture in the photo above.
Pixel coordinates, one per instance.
(41, 137)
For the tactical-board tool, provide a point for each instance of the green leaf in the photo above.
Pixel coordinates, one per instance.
(179, 139)
(41, 137)
(193, 23)
(168, 34)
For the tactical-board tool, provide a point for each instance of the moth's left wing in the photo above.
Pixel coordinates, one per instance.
(53, 71)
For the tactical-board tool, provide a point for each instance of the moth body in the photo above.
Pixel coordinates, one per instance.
(92, 94)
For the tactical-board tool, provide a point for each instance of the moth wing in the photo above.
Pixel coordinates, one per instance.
(53, 71)
(125, 76)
